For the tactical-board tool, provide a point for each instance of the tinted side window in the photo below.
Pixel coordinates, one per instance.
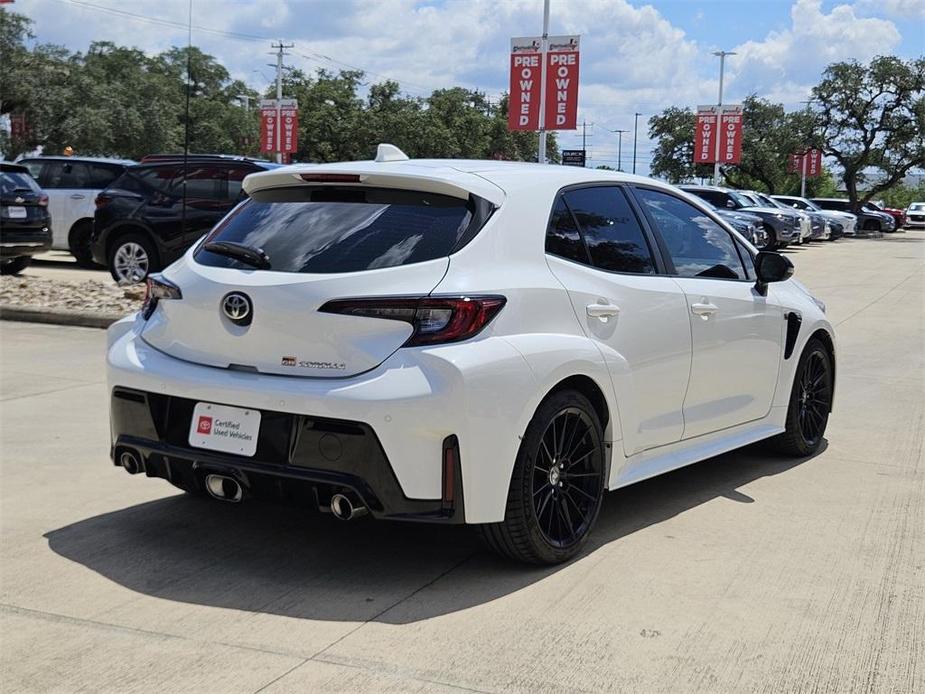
(699, 247)
(236, 176)
(749, 261)
(66, 174)
(714, 197)
(562, 237)
(614, 237)
(205, 182)
(160, 178)
(101, 175)
(35, 168)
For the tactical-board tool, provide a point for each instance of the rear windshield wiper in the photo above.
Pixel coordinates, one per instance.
(255, 257)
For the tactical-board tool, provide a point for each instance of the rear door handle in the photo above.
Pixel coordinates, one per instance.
(704, 310)
(77, 196)
(602, 311)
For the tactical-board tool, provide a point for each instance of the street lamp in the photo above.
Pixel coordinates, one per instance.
(722, 62)
(619, 147)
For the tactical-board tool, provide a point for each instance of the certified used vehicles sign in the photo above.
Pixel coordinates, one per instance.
(223, 428)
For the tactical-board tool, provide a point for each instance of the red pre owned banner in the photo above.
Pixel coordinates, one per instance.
(524, 105)
(268, 125)
(813, 163)
(705, 135)
(289, 125)
(730, 135)
(794, 163)
(562, 83)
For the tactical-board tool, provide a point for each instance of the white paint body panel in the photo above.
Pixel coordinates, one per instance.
(485, 390)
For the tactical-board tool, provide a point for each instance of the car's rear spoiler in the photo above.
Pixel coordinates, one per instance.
(441, 180)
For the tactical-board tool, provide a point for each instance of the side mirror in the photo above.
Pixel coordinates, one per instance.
(771, 267)
(730, 204)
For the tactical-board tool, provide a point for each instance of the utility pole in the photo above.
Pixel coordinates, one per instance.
(619, 147)
(541, 155)
(719, 111)
(281, 47)
(635, 136)
(584, 140)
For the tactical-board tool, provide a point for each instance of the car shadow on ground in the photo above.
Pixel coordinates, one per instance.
(296, 563)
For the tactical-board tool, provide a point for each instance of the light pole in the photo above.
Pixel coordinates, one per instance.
(619, 147)
(719, 111)
(541, 154)
(635, 136)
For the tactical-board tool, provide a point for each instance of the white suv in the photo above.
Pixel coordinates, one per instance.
(478, 342)
(72, 184)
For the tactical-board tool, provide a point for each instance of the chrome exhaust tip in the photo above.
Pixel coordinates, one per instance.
(131, 461)
(343, 508)
(224, 488)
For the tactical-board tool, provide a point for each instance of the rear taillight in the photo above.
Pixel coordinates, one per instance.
(158, 289)
(436, 319)
(102, 200)
(43, 200)
(331, 178)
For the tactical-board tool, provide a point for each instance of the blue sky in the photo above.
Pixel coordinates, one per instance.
(636, 56)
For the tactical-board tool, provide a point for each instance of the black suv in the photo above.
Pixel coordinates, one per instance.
(25, 225)
(141, 226)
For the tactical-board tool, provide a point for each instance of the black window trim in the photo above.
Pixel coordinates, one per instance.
(655, 252)
(664, 246)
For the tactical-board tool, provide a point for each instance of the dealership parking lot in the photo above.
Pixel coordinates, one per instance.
(745, 572)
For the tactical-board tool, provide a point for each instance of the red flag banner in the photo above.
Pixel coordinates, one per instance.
(705, 135)
(794, 163)
(268, 125)
(524, 101)
(813, 163)
(289, 125)
(561, 83)
(730, 134)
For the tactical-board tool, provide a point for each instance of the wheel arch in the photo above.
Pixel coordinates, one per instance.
(828, 343)
(588, 387)
(75, 226)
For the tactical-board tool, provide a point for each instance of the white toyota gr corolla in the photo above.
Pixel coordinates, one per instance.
(478, 342)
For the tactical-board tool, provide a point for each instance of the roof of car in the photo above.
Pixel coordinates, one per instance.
(488, 178)
(832, 199)
(93, 160)
(694, 186)
(13, 166)
(256, 163)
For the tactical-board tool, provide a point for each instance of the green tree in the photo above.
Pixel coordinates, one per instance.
(673, 156)
(872, 118)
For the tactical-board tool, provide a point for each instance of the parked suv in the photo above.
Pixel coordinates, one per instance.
(480, 342)
(845, 220)
(915, 215)
(141, 223)
(783, 227)
(868, 219)
(898, 215)
(25, 225)
(72, 184)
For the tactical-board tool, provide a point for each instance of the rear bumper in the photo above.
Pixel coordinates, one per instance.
(409, 405)
(300, 459)
(16, 242)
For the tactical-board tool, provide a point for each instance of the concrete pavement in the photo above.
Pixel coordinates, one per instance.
(743, 573)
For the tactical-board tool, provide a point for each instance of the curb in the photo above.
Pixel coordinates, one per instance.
(81, 319)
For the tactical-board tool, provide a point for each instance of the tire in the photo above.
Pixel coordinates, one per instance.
(79, 244)
(771, 244)
(131, 258)
(810, 403)
(16, 265)
(549, 513)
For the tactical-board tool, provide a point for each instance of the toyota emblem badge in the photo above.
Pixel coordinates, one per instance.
(237, 308)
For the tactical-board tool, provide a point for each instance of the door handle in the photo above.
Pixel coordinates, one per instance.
(704, 310)
(602, 311)
(77, 196)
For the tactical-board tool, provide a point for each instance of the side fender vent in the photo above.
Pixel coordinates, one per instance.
(794, 320)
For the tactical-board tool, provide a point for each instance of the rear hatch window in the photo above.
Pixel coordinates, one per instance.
(324, 229)
(12, 182)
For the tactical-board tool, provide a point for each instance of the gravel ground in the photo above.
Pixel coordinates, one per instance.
(72, 295)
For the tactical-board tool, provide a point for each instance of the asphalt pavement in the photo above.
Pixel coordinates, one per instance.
(746, 572)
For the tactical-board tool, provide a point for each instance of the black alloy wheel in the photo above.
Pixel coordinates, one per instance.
(557, 484)
(810, 403)
(567, 484)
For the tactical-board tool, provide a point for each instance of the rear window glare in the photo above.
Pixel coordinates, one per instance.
(329, 229)
(16, 181)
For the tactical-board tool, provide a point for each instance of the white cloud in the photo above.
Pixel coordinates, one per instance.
(789, 62)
